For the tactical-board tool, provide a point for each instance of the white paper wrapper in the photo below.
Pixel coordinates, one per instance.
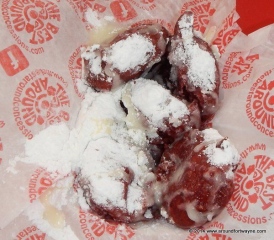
(247, 98)
(40, 59)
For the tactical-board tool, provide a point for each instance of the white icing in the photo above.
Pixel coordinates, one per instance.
(193, 214)
(199, 217)
(164, 213)
(148, 214)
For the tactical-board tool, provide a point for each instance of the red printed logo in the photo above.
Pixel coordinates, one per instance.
(40, 181)
(202, 13)
(253, 195)
(31, 233)
(31, 23)
(40, 99)
(75, 69)
(227, 33)
(13, 60)
(146, 5)
(237, 65)
(122, 10)
(260, 104)
(94, 227)
(81, 7)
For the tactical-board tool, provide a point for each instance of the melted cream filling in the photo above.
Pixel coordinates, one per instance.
(199, 217)
(52, 215)
(103, 126)
(105, 33)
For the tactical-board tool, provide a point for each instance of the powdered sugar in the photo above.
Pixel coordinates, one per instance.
(200, 64)
(211, 134)
(108, 149)
(224, 154)
(102, 147)
(201, 67)
(186, 25)
(46, 149)
(96, 21)
(35, 213)
(93, 54)
(108, 152)
(92, 18)
(130, 53)
(157, 104)
(104, 163)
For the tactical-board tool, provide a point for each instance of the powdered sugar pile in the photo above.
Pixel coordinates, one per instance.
(200, 64)
(108, 149)
(103, 143)
(225, 154)
(157, 104)
(104, 164)
(46, 149)
(129, 53)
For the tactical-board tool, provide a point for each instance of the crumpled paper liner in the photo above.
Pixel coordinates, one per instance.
(247, 84)
(40, 58)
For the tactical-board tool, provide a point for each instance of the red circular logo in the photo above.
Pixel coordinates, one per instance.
(146, 5)
(31, 232)
(81, 7)
(75, 69)
(202, 13)
(260, 104)
(228, 31)
(40, 99)
(236, 65)
(94, 227)
(31, 23)
(253, 197)
(40, 181)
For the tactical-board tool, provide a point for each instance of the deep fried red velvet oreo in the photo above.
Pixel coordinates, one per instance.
(126, 57)
(194, 72)
(196, 177)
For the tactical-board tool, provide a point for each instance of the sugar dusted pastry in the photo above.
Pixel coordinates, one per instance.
(196, 177)
(153, 159)
(115, 178)
(194, 72)
(126, 57)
